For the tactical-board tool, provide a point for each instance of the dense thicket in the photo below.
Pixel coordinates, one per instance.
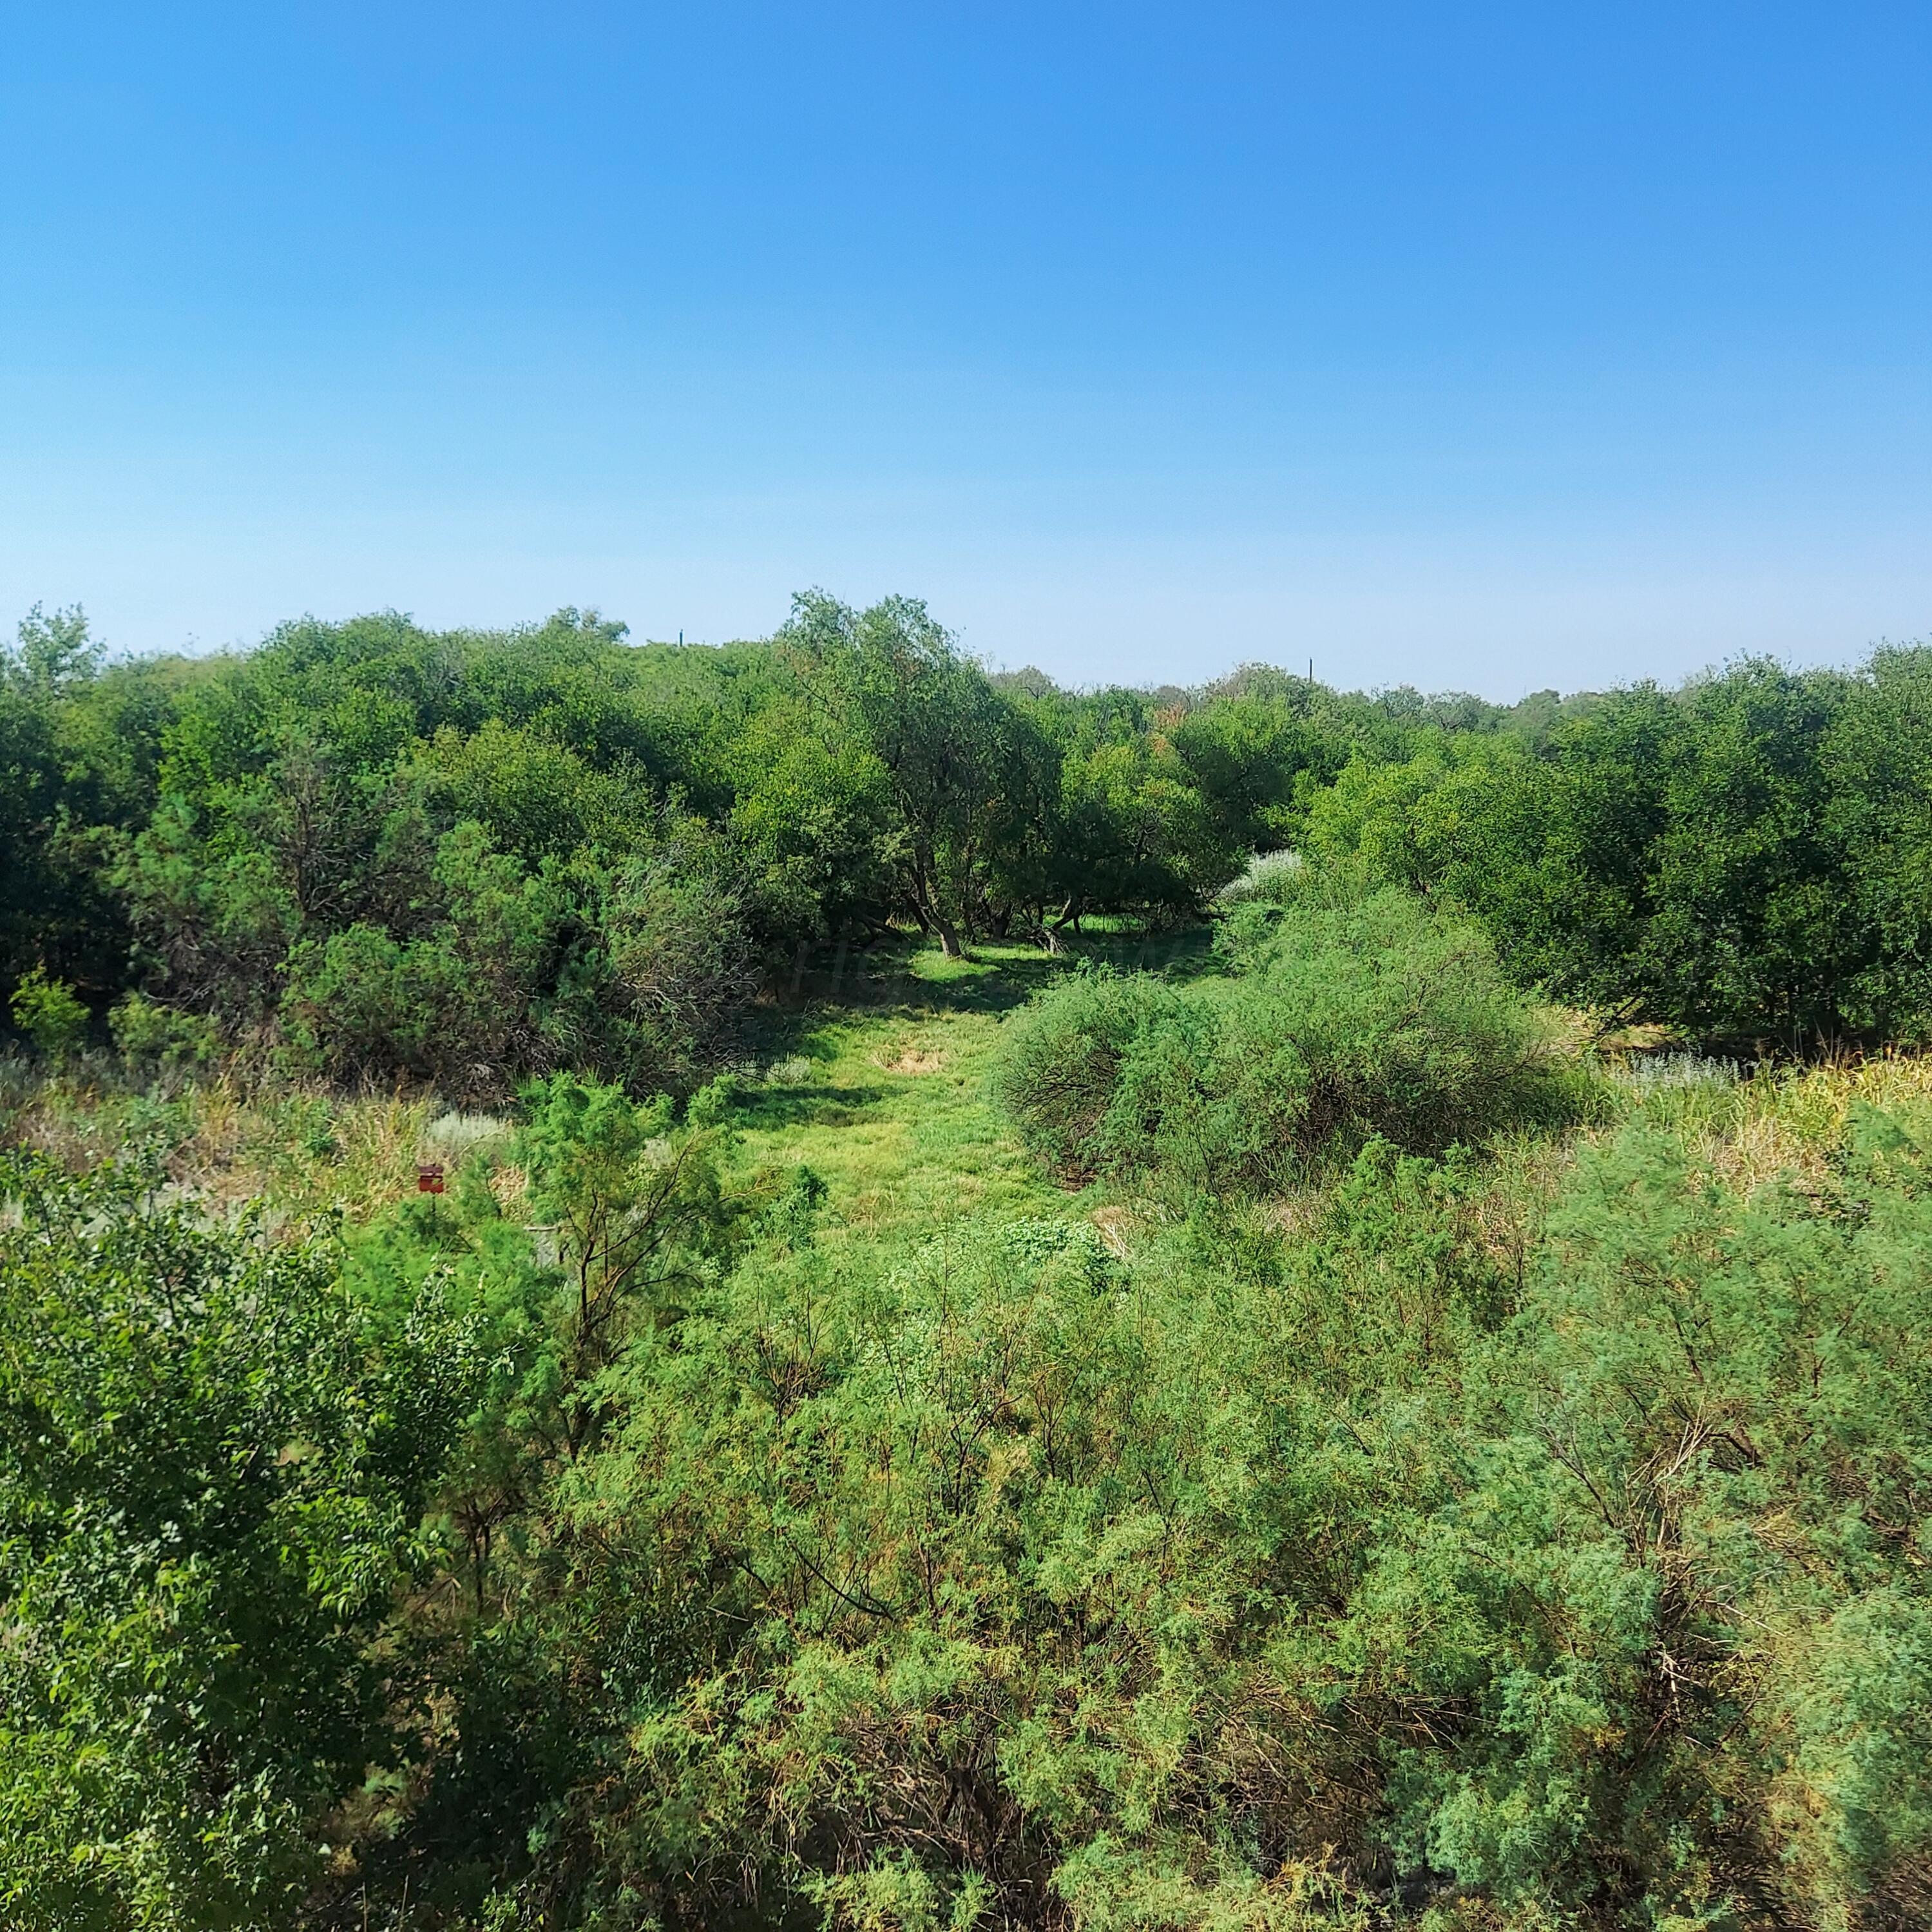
(594, 1548)
(1430, 1478)
(1351, 1011)
(378, 850)
(1745, 857)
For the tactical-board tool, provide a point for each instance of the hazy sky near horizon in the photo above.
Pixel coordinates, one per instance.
(1480, 347)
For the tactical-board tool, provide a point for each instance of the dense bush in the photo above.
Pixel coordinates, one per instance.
(1352, 1013)
(1062, 1058)
(1741, 859)
(153, 1038)
(214, 1469)
(1374, 1513)
(664, 1565)
(49, 1013)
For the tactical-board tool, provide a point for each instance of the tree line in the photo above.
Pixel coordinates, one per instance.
(371, 850)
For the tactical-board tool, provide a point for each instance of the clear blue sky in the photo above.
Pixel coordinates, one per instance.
(1470, 345)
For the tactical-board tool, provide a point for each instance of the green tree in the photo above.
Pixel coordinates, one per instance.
(70, 777)
(1877, 767)
(952, 749)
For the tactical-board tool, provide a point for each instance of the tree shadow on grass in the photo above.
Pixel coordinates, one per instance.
(996, 978)
(771, 1109)
(902, 977)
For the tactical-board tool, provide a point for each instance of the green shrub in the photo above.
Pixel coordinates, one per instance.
(458, 1005)
(1350, 1014)
(214, 1465)
(361, 1000)
(1378, 1014)
(1060, 1066)
(50, 1012)
(149, 1034)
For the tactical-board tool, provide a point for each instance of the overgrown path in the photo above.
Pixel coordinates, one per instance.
(883, 1091)
(877, 1075)
(882, 1086)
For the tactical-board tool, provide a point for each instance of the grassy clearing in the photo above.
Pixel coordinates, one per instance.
(877, 1076)
(881, 1086)
(890, 1109)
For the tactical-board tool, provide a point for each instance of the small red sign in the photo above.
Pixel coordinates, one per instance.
(429, 1177)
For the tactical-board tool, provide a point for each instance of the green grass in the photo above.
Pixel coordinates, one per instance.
(884, 1095)
(880, 1083)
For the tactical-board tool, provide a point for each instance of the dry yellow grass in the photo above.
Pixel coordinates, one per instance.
(300, 1150)
(1785, 1124)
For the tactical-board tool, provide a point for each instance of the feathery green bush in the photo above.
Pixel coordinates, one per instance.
(1350, 1012)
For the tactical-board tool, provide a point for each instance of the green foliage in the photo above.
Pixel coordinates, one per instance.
(1740, 859)
(50, 1012)
(1138, 827)
(212, 1469)
(455, 1001)
(1246, 755)
(72, 738)
(644, 1531)
(1351, 1014)
(1735, 859)
(681, 957)
(1704, 1448)
(1061, 1066)
(1877, 779)
(1390, 1495)
(151, 1036)
(970, 778)
(1004, 1576)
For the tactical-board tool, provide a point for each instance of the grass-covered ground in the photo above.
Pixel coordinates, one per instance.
(884, 1094)
(876, 1074)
